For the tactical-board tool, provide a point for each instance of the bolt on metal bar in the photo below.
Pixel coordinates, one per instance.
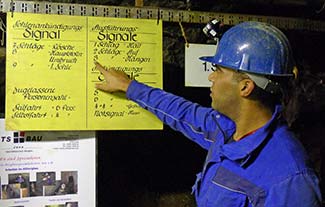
(164, 14)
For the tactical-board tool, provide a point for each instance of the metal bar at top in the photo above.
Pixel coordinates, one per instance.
(164, 14)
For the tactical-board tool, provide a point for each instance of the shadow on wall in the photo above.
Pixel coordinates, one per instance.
(148, 199)
(2, 87)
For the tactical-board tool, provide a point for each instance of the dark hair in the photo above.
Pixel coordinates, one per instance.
(265, 98)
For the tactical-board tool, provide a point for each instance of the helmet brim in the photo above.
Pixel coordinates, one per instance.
(211, 59)
(207, 58)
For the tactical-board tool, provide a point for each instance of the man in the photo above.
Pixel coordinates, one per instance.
(253, 159)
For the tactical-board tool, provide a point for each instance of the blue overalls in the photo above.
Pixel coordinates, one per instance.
(266, 168)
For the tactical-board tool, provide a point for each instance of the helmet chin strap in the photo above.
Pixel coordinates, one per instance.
(264, 83)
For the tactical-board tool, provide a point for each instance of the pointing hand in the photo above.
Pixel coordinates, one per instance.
(114, 80)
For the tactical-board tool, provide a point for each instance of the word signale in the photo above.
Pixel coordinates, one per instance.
(51, 75)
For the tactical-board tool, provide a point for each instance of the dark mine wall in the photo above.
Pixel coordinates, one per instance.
(157, 168)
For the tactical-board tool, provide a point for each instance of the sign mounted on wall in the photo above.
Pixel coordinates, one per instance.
(51, 76)
(47, 168)
(197, 71)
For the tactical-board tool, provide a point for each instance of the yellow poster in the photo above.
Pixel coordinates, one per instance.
(51, 76)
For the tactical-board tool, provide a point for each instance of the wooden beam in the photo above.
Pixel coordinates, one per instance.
(139, 3)
(2, 54)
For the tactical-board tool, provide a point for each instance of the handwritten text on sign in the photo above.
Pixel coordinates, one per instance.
(51, 73)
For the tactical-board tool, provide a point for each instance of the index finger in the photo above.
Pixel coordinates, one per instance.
(100, 67)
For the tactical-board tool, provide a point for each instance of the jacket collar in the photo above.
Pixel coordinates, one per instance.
(241, 151)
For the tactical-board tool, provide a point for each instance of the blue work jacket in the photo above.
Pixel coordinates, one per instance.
(266, 168)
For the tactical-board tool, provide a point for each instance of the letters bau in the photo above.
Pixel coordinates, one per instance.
(34, 138)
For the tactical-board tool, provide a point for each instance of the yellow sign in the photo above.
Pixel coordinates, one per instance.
(51, 76)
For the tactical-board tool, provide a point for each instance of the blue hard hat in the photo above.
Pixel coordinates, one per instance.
(254, 47)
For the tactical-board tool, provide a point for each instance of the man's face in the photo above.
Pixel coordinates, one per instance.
(224, 91)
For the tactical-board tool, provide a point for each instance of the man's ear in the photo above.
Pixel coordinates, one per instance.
(246, 87)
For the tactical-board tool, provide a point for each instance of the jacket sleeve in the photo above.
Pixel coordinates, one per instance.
(300, 190)
(198, 123)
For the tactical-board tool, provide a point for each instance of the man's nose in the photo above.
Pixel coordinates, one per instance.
(210, 77)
